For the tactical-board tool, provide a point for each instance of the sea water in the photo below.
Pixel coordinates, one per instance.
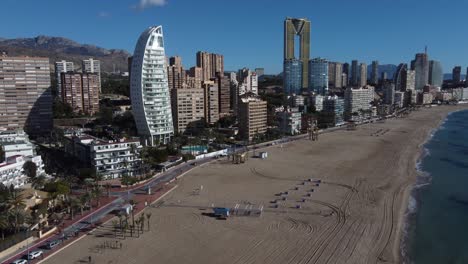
(437, 227)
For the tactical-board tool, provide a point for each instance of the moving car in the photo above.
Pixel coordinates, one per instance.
(35, 254)
(53, 244)
(20, 261)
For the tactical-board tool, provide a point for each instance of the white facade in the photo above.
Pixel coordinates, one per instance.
(62, 66)
(92, 66)
(15, 142)
(290, 121)
(11, 171)
(149, 89)
(358, 99)
(317, 101)
(112, 159)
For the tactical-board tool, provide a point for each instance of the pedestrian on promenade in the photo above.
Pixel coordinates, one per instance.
(89, 259)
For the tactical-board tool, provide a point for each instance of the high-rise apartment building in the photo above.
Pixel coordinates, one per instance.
(292, 76)
(398, 78)
(149, 89)
(354, 73)
(389, 93)
(62, 66)
(362, 75)
(456, 74)
(188, 108)
(335, 74)
(210, 64)
(334, 106)
(357, 100)
(318, 76)
(436, 74)
(252, 116)
(375, 73)
(297, 27)
(194, 78)
(248, 81)
(346, 71)
(176, 75)
(224, 93)
(421, 67)
(211, 92)
(25, 94)
(81, 91)
(92, 66)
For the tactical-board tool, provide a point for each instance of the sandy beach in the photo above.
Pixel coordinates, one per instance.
(355, 215)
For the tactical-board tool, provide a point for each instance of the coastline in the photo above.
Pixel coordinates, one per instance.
(405, 213)
(355, 215)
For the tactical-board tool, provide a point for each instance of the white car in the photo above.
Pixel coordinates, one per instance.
(35, 254)
(20, 261)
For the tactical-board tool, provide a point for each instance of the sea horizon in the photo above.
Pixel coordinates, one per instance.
(438, 198)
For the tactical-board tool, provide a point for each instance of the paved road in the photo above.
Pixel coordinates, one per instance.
(124, 195)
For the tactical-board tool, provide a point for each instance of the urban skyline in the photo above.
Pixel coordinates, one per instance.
(327, 34)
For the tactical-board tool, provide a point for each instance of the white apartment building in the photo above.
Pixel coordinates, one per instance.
(112, 159)
(149, 88)
(357, 100)
(15, 142)
(289, 121)
(11, 171)
(62, 66)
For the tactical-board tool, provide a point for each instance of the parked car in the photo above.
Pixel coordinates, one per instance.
(35, 254)
(20, 261)
(53, 244)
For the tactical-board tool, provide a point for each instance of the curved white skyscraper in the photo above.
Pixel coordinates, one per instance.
(149, 89)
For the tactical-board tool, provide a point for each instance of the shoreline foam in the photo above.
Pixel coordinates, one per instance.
(423, 179)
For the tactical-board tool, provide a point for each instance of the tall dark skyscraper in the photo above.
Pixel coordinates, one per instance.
(375, 73)
(354, 73)
(420, 65)
(298, 27)
(346, 72)
(398, 78)
(456, 74)
(436, 74)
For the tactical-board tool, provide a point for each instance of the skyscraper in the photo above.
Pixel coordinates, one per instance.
(25, 94)
(318, 76)
(375, 73)
(456, 74)
(149, 90)
(62, 66)
(345, 77)
(420, 65)
(92, 66)
(362, 75)
(297, 27)
(292, 76)
(188, 109)
(354, 73)
(81, 91)
(398, 78)
(176, 75)
(335, 74)
(210, 64)
(436, 74)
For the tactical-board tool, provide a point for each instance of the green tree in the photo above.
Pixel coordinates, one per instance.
(30, 169)
(38, 182)
(2, 154)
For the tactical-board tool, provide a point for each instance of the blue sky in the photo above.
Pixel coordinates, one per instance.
(249, 33)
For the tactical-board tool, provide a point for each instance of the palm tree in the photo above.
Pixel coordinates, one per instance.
(148, 216)
(39, 182)
(133, 204)
(142, 222)
(74, 203)
(115, 225)
(4, 224)
(96, 193)
(16, 204)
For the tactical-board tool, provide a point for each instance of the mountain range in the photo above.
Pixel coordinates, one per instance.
(58, 48)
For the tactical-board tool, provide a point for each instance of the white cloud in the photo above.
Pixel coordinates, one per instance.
(148, 3)
(103, 14)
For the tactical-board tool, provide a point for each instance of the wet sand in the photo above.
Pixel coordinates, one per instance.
(354, 215)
